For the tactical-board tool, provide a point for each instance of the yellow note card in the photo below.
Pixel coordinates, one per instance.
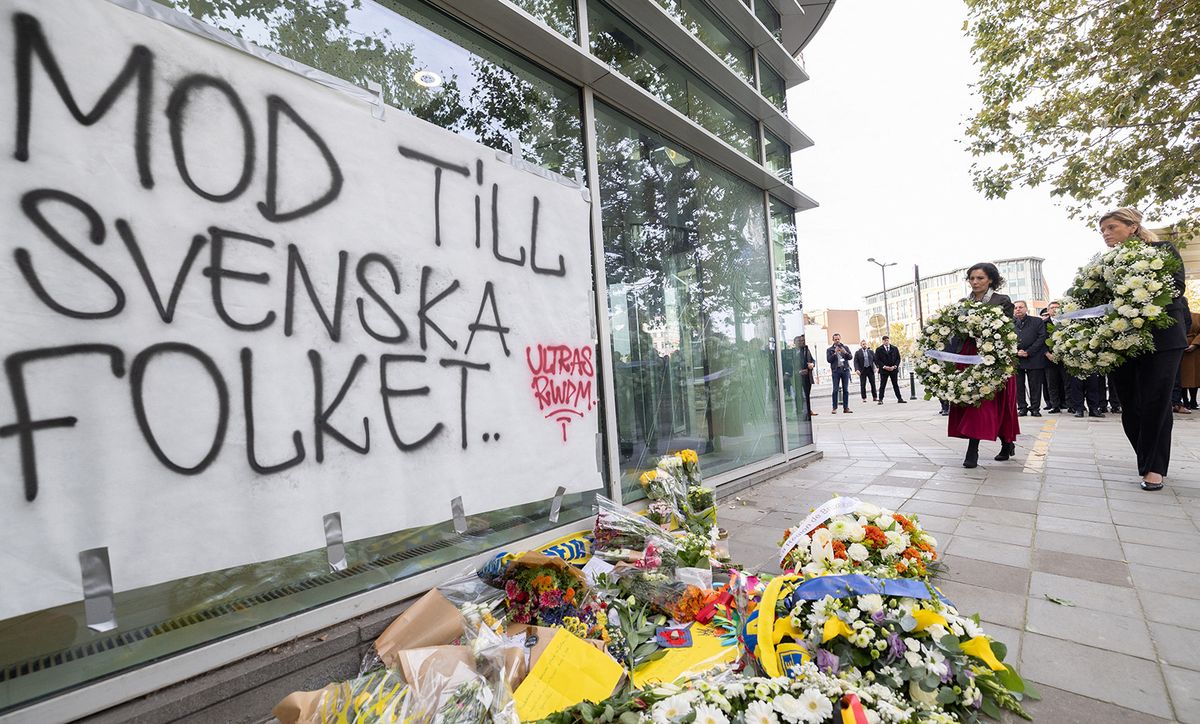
(706, 652)
(568, 672)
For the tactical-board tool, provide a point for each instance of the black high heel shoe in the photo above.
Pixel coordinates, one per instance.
(972, 459)
(1007, 450)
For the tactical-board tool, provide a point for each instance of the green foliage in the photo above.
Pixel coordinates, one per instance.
(1099, 99)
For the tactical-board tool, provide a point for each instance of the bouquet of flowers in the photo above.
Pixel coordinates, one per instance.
(620, 536)
(552, 595)
(1119, 297)
(695, 550)
(873, 541)
(660, 512)
(811, 696)
(996, 350)
(939, 662)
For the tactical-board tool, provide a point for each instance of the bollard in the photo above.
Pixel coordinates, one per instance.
(912, 386)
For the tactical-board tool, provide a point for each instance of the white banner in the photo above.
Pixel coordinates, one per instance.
(964, 359)
(235, 302)
(828, 509)
(1089, 313)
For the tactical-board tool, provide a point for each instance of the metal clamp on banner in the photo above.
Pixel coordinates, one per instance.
(600, 453)
(556, 504)
(962, 359)
(460, 518)
(98, 606)
(377, 107)
(335, 547)
(516, 159)
(584, 191)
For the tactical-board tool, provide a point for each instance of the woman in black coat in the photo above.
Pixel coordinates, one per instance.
(1144, 383)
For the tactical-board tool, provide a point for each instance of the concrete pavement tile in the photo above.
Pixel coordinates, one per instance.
(891, 491)
(996, 502)
(988, 550)
(953, 486)
(1004, 517)
(1163, 580)
(1158, 538)
(900, 472)
(1065, 707)
(840, 488)
(1016, 492)
(1159, 506)
(1101, 629)
(1007, 609)
(1154, 522)
(1176, 645)
(1076, 527)
(910, 484)
(1115, 573)
(1136, 494)
(994, 532)
(1086, 594)
(1081, 501)
(1166, 608)
(928, 507)
(754, 557)
(1104, 675)
(1162, 557)
(943, 496)
(1074, 512)
(996, 576)
(1092, 492)
(1081, 545)
(740, 513)
(1184, 686)
(938, 524)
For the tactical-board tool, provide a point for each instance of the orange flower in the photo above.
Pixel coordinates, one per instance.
(569, 595)
(901, 566)
(839, 550)
(875, 537)
(905, 523)
(911, 553)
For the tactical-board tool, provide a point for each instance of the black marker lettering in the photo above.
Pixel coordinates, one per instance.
(167, 313)
(361, 272)
(489, 295)
(462, 396)
(216, 272)
(427, 304)
(176, 116)
(562, 264)
(137, 375)
(321, 413)
(270, 208)
(296, 264)
(520, 260)
(248, 408)
(386, 393)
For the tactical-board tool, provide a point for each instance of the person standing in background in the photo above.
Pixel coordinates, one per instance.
(887, 359)
(1055, 377)
(1031, 359)
(804, 367)
(838, 356)
(1189, 376)
(1180, 399)
(864, 365)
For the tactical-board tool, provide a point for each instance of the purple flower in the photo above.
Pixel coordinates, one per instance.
(827, 661)
(949, 675)
(879, 616)
(896, 647)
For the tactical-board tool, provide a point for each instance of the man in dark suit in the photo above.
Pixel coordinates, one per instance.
(1055, 376)
(804, 367)
(864, 365)
(838, 356)
(887, 359)
(1031, 360)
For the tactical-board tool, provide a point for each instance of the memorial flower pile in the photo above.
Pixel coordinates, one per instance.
(1115, 302)
(984, 371)
(548, 596)
(870, 540)
(948, 667)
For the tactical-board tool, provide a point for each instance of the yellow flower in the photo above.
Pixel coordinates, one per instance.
(835, 627)
(981, 648)
(926, 618)
(648, 477)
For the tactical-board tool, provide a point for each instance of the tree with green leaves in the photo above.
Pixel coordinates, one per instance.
(1098, 99)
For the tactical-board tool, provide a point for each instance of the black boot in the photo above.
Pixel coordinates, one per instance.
(972, 458)
(1007, 450)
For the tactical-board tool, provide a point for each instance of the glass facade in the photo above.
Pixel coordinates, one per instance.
(789, 305)
(702, 22)
(689, 284)
(772, 85)
(616, 42)
(689, 301)
(769, 17)
(778, 155)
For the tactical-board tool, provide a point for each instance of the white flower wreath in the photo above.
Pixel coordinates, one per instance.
(1125, 292)
(983, 378)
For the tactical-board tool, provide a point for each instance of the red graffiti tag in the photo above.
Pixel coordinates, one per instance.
(561, 381)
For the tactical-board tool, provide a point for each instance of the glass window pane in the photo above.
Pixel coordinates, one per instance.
(772, 85)
(779, 156)
(769, 17)
(560, 15)
(701, 21)
(428, 64)
(797, 380)
(689, 304)
(636, 57)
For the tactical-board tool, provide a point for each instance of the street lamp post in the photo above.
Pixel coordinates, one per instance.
(883, 274)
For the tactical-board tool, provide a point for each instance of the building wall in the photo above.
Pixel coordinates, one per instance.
(672, 115)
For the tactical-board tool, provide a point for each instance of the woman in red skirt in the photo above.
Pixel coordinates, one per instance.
(995, 418)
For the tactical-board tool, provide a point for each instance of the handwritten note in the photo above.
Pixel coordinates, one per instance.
(570, 671)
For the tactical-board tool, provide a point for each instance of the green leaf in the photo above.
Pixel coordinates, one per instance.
(946, 695)
(999, 649)
(1011, 680)
(989, 707)
(1031, 692)
(949, 644)
(1059, 601)
(908, 623)
(630, 717)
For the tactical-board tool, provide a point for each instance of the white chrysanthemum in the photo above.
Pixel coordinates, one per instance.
(671, 708)
(706, 714)
(815, 705)
(760, 712)
(870, 603)
(858, 552)
(788, 707)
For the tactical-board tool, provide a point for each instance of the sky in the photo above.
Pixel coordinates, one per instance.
(886, 107)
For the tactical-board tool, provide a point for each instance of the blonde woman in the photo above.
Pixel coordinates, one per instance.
(1144, 383)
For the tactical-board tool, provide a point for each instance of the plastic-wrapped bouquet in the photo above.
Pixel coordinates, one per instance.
(870, 540)
(551, 594)
(620, 536)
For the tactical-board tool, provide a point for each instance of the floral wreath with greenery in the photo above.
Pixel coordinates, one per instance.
(996, 341)
(1129, 288)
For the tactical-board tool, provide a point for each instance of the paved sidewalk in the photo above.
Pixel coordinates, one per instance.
(1065, 518)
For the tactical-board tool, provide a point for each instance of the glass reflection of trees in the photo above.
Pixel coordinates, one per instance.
(690, 300)
(479, 90)
(789, 305)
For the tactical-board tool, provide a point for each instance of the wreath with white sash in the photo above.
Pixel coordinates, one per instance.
(1115, 302)
(985, 372)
